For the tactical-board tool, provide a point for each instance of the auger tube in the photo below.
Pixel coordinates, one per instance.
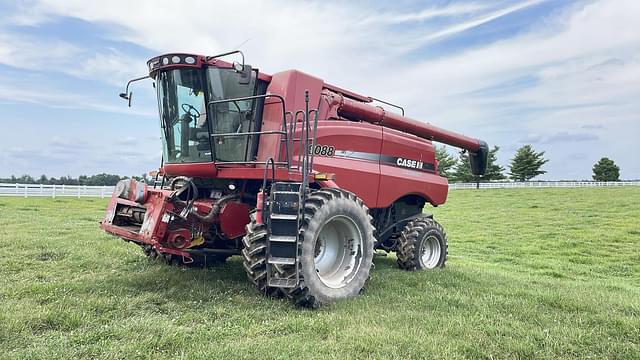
(356, 110)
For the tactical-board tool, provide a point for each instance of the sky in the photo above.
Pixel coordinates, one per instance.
(563, 76)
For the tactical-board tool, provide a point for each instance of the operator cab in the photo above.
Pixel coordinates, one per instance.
(196, 128)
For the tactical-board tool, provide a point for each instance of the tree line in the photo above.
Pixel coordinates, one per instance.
(93, 180)
(524, 166)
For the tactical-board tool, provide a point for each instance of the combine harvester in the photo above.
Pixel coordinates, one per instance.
(302, 178)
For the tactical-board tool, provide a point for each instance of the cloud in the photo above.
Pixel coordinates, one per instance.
(69, 155)
(33, 91)
(593, 126)
(127, 141)
(577, 156)
(464, 26)
(110, 66)
(426, 14)
(34, 53)
(574, 67)
(29, 52)
(24, 14)
(559, 137)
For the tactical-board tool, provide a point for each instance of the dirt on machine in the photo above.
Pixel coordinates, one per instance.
(304, 180)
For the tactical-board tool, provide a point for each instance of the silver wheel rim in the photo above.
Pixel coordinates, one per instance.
(430, 252)
(338, 251)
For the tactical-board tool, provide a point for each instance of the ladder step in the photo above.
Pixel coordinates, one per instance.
(282, 238)
(281, 260)
(284, 217)
(286, 192)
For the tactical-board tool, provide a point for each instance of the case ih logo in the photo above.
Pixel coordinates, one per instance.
(412, 164)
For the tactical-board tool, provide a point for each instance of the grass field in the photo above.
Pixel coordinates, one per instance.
(540, 273)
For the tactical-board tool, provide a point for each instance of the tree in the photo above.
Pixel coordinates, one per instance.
(494, 170)
(446, 161)
(462, 170)
(606, 170)
(527, 164)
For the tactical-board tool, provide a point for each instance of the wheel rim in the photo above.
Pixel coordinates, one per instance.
(430, 252)
(338, 251)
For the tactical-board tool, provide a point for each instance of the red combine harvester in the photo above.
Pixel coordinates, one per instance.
(302, 178)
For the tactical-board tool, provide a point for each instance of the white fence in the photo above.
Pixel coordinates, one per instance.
(542, 184)
(78, 191)
(29, 190)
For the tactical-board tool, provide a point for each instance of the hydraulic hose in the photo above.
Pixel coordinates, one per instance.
(215, 210)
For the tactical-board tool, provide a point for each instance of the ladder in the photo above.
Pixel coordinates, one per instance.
(283, 234)
(286, 206)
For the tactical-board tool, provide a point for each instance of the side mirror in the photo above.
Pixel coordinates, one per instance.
(478, 159)
(130, 93)
(127, 97)
(244, 74)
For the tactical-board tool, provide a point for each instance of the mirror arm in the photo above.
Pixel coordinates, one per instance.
(127, 95)
(227, 53)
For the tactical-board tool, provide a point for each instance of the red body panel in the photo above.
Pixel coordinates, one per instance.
(397, 182)
(358, 175)
(233, 217)
(291, 85)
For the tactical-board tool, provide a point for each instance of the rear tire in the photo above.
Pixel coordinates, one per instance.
(335, 250)
(422, 245)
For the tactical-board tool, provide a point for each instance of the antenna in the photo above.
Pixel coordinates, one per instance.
(242, 43)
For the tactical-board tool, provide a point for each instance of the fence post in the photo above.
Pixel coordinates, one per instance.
(25, 190)
(79, 187)
(102, 192)
(62, 190)
(53, 194)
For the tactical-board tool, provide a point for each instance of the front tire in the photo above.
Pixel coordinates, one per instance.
(254, 256)
(422, 245)
(335, 251)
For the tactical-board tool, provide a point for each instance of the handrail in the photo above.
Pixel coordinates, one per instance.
(264, 96)
(388, 103)
(295, 125)
(251, 162)
(313, 138)
(268, 132)
(264, 181)
(305, 149)
(211, 57)
(289, 138)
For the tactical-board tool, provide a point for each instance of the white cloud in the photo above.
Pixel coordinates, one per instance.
(34, 91)
(426, 14)
(110, 66)
(483, 19)
(53, 55)
(28, 52)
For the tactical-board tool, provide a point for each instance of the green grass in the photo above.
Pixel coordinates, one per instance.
(540, 273)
